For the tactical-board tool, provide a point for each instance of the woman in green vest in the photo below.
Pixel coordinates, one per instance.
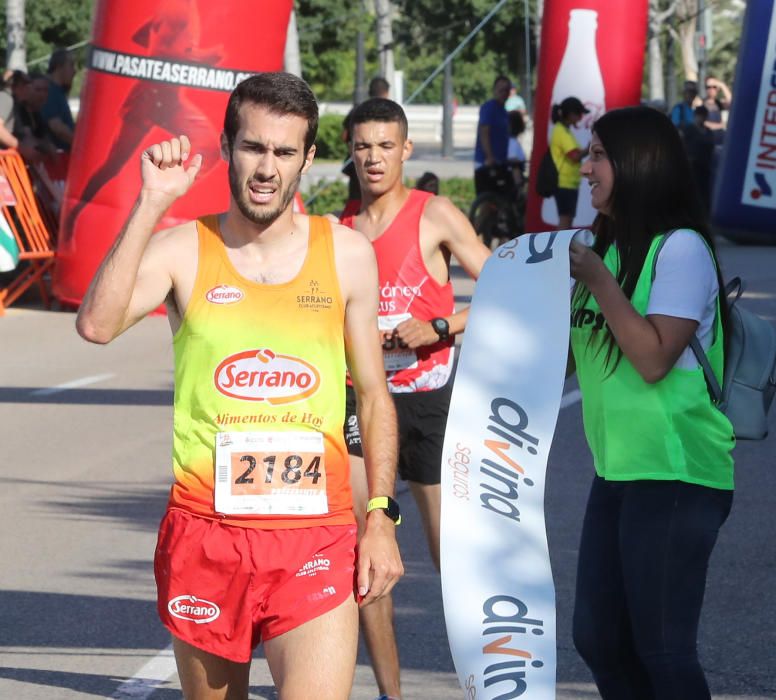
(664, 474)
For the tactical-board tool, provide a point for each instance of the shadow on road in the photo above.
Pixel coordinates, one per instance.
(90, 397)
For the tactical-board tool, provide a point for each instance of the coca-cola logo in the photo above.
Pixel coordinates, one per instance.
(262, 375)
(189, 607)
(224, 294)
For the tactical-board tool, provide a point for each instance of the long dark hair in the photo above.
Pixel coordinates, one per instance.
(654, 192)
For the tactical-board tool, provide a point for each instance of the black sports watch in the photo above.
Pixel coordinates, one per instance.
(441, 327)
(387, 504)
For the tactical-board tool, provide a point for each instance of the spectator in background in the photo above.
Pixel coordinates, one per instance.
(699, 144)
(428, 182)
(515, 153)
(682, 112)
(567, 154)
(7, 139)
(493, 126)
(30, 129)
(378, 87)
(490, 150)
(515, 103)
(718, 98)
(56, 112)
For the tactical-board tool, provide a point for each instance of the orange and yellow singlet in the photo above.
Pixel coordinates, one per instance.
(259, 396)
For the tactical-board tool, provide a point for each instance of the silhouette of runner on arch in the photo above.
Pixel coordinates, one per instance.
(172, 34)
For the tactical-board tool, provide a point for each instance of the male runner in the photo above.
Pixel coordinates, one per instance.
(414, 234)
(258, 543)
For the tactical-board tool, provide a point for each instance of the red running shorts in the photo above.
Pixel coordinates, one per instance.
(224, 589)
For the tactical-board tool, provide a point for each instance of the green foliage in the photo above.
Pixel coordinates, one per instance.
(460, 190)
(723, 55)
(53, 23)
(327, 43)
(329, 144)
(427, 30)
(330, 196)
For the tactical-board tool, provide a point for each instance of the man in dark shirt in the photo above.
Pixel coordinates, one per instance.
(56, 112)
(490, 150)
(29, 127)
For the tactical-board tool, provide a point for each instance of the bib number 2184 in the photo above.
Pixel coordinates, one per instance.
(278, 473)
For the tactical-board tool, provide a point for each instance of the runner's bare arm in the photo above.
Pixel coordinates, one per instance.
(136, 275)
(379, 563)
(444, 224)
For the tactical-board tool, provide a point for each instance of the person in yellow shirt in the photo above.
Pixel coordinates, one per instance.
(567, 154)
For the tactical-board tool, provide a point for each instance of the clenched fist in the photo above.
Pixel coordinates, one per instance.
(164, 170)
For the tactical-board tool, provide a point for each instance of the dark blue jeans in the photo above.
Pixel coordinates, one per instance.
(640, 582)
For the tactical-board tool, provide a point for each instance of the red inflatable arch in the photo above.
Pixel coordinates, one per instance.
(157, 68)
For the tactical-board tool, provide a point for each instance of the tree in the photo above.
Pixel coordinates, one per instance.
(657, 20)
(51, 23)
(16, 51)
(292, 61)
(674, 23)
(427, 30)
(327, 42)
(687, 21)
(384, 11)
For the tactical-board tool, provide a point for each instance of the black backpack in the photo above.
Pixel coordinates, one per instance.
(546, 176)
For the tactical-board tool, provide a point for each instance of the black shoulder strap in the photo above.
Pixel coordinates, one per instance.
(695, 344)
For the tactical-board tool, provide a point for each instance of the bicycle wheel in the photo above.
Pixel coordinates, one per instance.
(485, 214)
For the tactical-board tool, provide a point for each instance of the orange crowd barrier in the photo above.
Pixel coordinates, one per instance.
(36, 247)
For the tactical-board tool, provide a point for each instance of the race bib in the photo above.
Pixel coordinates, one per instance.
(271, 473)
(396, 356)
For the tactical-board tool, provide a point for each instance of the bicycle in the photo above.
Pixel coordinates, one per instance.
(498, 211)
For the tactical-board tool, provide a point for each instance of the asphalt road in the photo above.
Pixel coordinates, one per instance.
(85, 438)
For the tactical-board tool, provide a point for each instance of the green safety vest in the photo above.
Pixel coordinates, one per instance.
(668, 430)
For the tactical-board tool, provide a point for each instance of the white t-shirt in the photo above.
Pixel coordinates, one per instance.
(515, 150)
(686, 286)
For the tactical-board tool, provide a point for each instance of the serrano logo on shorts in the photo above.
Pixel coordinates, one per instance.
(261, 375)
(224, 294)
(189, 607)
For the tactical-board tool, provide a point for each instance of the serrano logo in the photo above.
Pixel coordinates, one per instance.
(261, 375)
(224, 294)
(189, 607)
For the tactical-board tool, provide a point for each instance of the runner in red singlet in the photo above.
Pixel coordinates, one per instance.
(414, 235)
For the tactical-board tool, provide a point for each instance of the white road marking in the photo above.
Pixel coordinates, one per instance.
(149, 678)
(75, 384)
(571, 398)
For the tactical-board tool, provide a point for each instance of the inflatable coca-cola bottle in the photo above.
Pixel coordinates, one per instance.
(579, 76)
(592, 50)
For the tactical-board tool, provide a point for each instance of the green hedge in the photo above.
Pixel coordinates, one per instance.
(460, 190)
(330, 195)
(329, 144)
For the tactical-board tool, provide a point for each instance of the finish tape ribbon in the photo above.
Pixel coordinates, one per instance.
(497, 587)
